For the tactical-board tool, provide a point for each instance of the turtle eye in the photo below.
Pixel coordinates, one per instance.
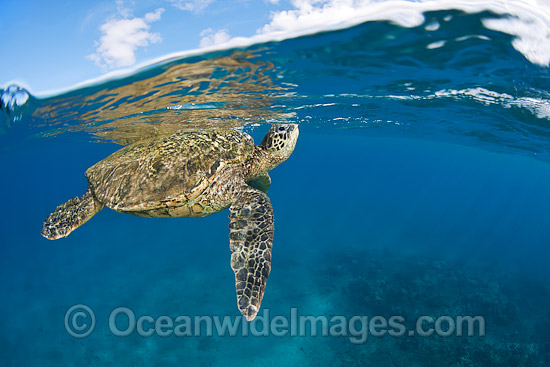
(282, 128)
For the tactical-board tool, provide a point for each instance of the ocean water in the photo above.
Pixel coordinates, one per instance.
(419, 186)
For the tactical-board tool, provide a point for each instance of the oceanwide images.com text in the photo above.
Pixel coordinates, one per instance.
(80, 322)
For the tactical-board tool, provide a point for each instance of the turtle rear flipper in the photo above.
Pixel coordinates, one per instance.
(251, 238)
(69, 216)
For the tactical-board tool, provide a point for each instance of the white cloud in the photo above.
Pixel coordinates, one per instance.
(211, 38)
(124, 10)
(121, 37)
(154, 15)
(191, 5)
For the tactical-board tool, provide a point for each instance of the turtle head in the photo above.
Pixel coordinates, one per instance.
(279, 142)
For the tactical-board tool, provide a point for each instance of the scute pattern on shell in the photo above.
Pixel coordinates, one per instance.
(166, 171)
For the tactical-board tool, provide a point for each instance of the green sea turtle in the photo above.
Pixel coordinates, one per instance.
(193, 174)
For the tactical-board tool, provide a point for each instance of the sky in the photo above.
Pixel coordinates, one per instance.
(52, 45)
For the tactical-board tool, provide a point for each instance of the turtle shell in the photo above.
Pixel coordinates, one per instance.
(166, 171)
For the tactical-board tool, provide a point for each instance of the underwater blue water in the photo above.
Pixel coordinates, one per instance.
(419, 186)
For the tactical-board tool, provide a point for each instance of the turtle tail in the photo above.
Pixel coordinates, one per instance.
(69, 216)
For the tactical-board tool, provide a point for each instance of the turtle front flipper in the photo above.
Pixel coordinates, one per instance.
(69, 216)
(251, 238)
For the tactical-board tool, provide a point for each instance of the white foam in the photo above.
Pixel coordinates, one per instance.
(540, 107)
(437, 44)
(434, 26)
(528, 21)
